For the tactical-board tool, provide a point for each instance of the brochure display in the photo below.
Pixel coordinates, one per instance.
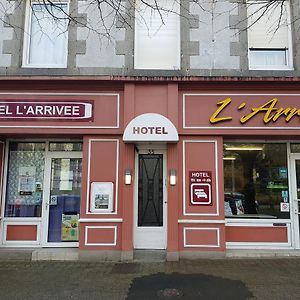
(101, 197)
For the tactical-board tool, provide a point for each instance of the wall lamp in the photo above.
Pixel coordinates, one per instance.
(172, 177)
(127, 176)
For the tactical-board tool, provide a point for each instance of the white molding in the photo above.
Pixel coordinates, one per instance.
(215, 142)
(292, 157)
(85, 220)
(49, 155)
(114, 243)
(3, 192)
(254, 221)
(260, 245)
(187, 221)
(230, 127)
(157, 235)
(87, 211)
(117, 95)
(2, 177)
(185, 229)
(22, 243)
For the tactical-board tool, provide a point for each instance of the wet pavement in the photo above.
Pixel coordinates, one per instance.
(254, 278)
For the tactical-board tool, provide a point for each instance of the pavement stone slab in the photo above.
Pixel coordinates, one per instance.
(209, 278)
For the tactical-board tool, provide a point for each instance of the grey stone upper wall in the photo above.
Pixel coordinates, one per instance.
(100, 41)
(6, 33)
(213, 41)
(214, 36)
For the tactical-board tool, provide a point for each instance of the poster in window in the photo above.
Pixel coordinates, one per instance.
(26, 180)
(69, 227)
(101, 196)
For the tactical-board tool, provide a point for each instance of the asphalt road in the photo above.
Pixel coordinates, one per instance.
(201, 279)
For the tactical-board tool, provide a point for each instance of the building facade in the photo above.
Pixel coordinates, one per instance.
(181, 136)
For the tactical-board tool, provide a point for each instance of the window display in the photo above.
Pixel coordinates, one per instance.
(256, 180)
(26, 172)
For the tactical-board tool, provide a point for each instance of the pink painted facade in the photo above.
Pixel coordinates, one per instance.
(188, 228)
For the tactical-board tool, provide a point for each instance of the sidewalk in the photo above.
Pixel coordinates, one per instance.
(201, 279)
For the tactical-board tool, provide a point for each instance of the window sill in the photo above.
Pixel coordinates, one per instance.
(265, 68)
(44, 66)
(251, 217)
(266, 220)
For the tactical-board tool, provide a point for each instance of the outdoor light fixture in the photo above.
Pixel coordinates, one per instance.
(172, 177)
(127, 176)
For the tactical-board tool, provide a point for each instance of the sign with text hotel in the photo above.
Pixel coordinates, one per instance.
(81, 111)
(232, 111)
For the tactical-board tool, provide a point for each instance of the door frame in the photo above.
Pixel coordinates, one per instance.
(154, 149)
(294, 211)
(46, 195)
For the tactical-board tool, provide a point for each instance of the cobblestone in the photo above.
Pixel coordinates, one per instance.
(261, 278)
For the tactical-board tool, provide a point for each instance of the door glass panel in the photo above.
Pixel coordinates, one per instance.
(60, 146)
(24, 192)
(150, 190)
(64, 200)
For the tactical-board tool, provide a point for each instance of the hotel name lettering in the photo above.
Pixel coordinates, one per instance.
(270, 111)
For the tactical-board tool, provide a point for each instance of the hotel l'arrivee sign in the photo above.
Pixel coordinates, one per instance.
(46, 110)
(227, 111)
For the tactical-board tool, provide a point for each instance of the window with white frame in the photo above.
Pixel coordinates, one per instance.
(269, 36)
(157, 35)
(256, 180)
(46, 35)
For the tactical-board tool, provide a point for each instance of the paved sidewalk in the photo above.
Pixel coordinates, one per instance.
(201, 279)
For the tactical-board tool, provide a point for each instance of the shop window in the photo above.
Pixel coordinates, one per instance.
(295, 148)
(68, 147)
(25, 180)
(46, 35)
(269, 35)
(157, 35)
(256, 180)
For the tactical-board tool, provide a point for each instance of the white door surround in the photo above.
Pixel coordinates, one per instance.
(150, 237)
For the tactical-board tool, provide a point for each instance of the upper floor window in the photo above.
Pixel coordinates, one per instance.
(46, 35)
(157, 35)
(269, 36)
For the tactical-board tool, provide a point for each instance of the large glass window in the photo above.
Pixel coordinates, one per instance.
(269, 35)
(256, 180)
(25, 180)
(157, 35)
(46, 38)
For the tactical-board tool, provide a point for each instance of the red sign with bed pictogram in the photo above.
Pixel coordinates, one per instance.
(200, 187)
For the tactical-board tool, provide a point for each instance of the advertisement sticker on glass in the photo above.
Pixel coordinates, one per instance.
(26, 182)
(69, 227)
(101, 196)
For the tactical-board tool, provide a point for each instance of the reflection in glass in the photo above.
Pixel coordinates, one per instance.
(24, 190)
(255, 179)
(60, 146)
(64, 202)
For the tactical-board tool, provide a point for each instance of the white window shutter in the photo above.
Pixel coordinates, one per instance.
(265, 32)
(157, 35)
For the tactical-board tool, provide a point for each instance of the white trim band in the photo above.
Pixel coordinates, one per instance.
(100, 220)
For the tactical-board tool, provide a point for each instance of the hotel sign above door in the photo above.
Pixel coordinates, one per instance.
(47, 110)
(150, 127)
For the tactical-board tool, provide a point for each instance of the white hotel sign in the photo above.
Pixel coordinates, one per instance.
(150, 127)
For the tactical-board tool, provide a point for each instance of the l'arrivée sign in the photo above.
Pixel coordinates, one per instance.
(270, 111)
(242, 110)
(46, 110)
